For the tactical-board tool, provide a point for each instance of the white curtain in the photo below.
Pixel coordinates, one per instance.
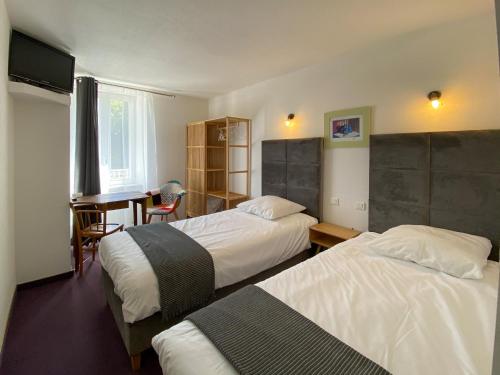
(127, 144)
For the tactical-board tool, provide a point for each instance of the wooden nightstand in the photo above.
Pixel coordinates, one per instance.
(325, 235)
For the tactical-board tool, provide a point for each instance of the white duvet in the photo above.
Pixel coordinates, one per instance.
(407, 318)
(241, 245)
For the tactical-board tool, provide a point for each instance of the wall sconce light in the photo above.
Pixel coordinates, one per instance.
(434, 97)
(289, 121)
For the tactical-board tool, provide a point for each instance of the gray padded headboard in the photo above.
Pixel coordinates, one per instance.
(293, 169)
(449, 180)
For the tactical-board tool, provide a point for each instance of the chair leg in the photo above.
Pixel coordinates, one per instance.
(149, 218)
(176, 216)
(135, 360)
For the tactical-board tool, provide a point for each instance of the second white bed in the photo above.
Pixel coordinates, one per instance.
(407, 318)
(241, 245)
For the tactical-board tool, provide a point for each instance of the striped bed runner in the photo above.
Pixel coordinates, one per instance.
(184, 268)
(259, 334)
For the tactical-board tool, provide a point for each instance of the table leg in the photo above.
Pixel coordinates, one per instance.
(76, 249)
(143, 210)
(134, 204)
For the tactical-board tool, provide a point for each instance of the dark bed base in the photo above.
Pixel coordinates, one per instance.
(137, 336)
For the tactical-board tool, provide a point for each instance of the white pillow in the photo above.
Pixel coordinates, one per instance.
(457, 254)
(270, 207)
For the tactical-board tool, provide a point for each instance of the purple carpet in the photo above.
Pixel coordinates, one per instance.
(65, 327)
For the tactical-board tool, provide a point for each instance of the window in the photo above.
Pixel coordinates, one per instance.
(116, 113)
(119, 143)
(127, 144)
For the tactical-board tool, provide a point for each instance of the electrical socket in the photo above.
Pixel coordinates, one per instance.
(335, 201)
(360, 206)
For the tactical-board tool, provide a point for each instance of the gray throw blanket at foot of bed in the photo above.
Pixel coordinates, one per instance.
(259, 334)
(185, 270)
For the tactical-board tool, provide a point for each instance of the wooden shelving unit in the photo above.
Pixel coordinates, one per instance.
(218, 163)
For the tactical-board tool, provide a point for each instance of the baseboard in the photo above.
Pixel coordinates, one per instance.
(46, 280)
(7, 324)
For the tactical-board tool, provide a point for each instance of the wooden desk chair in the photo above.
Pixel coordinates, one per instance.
(165, 200)
(91, 225)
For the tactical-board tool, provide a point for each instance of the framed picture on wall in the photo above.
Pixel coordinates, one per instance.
(348, 127)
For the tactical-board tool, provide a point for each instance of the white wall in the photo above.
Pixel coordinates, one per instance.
(7, 258)
(42, 189)
(394, 77)
(171, 117)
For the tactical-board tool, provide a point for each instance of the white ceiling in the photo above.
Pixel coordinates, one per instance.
(208, 47)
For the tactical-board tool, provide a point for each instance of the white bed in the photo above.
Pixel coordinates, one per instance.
(407, 318)
(241, 245)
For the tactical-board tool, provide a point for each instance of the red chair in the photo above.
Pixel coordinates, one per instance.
(165, 200)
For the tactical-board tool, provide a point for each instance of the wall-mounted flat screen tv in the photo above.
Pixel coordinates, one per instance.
(37, 63)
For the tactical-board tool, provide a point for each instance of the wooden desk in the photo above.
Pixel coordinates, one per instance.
(114, 201)
(117, 201)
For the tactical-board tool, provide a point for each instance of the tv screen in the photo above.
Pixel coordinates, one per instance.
(38, 63)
